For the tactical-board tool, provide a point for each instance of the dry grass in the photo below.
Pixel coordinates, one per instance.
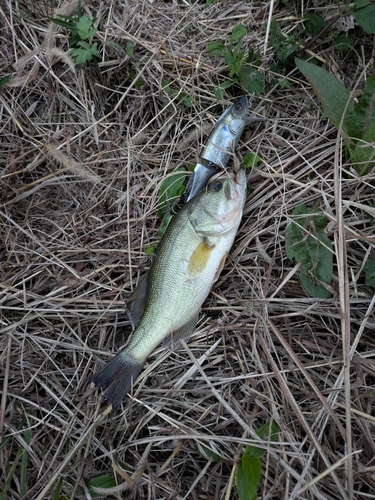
(82, 156)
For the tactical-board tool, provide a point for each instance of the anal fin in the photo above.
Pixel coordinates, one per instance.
(183, 333)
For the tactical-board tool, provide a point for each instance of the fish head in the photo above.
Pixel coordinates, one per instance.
(237, 116)
(218, 209)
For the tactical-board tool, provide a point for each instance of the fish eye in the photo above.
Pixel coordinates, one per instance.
(216, 186)
(238, 106)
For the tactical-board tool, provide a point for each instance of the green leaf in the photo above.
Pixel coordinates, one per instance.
(166, 86)
(171, 188)
(306, 242)
(358, 4)
(239, 53)
(219, 93)
(5, 79)
(111, 43)
(251, 80)
(186, 99)
(81, 55)
(94, 50)
(25, 460)
(342, 42)
(267, 432)
(164, 224)
(365, 17)
(63, 24)
(284, 83)
(250, 160)
(363, 154)
(314, 24)
(129, 50)
(369, 269)
(56, 493)
(333, 96)
(238, 33)
(139, 83)
(365, 108)
(284, 46)
(248, 474)
(207, 453)
(208, 3)
(230, 59)
(104, 482)
(84, 28)
(216, 47)
(151, 249)
(183, 97)
(86, 53)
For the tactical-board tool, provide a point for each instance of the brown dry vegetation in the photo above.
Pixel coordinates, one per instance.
(82, 157)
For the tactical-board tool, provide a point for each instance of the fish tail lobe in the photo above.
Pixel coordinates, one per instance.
(117, 376)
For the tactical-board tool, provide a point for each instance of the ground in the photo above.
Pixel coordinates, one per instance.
(83, 154)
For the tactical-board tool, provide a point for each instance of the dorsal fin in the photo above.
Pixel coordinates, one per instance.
(137, 301)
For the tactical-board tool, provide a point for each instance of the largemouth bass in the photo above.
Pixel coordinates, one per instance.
(220, 145)
(189, 259)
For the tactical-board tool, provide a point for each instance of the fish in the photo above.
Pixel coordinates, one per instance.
(189, 258)
(220, 145)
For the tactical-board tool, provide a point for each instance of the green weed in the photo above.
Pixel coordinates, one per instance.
(364, 14)
(98, 485)
(57, 490)
(208, 454)
(171, 189)
(239, 62)
(250, 160)
(4, 80)
(82, 32)
(369, 270)
(182, 97)
(249, 469)
(307, 243)
(357, 119)
(312, 29)
(284, 47)
(18, 475)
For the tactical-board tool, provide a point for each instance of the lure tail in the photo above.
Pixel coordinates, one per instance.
(117, 377)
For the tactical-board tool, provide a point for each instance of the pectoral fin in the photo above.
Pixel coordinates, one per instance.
(137, 302)
(200, 257)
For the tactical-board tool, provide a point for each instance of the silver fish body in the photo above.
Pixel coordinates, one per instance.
(224, 138)
(220, 145)
(189, 259)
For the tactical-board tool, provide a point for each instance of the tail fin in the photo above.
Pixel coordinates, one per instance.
(117, 377)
